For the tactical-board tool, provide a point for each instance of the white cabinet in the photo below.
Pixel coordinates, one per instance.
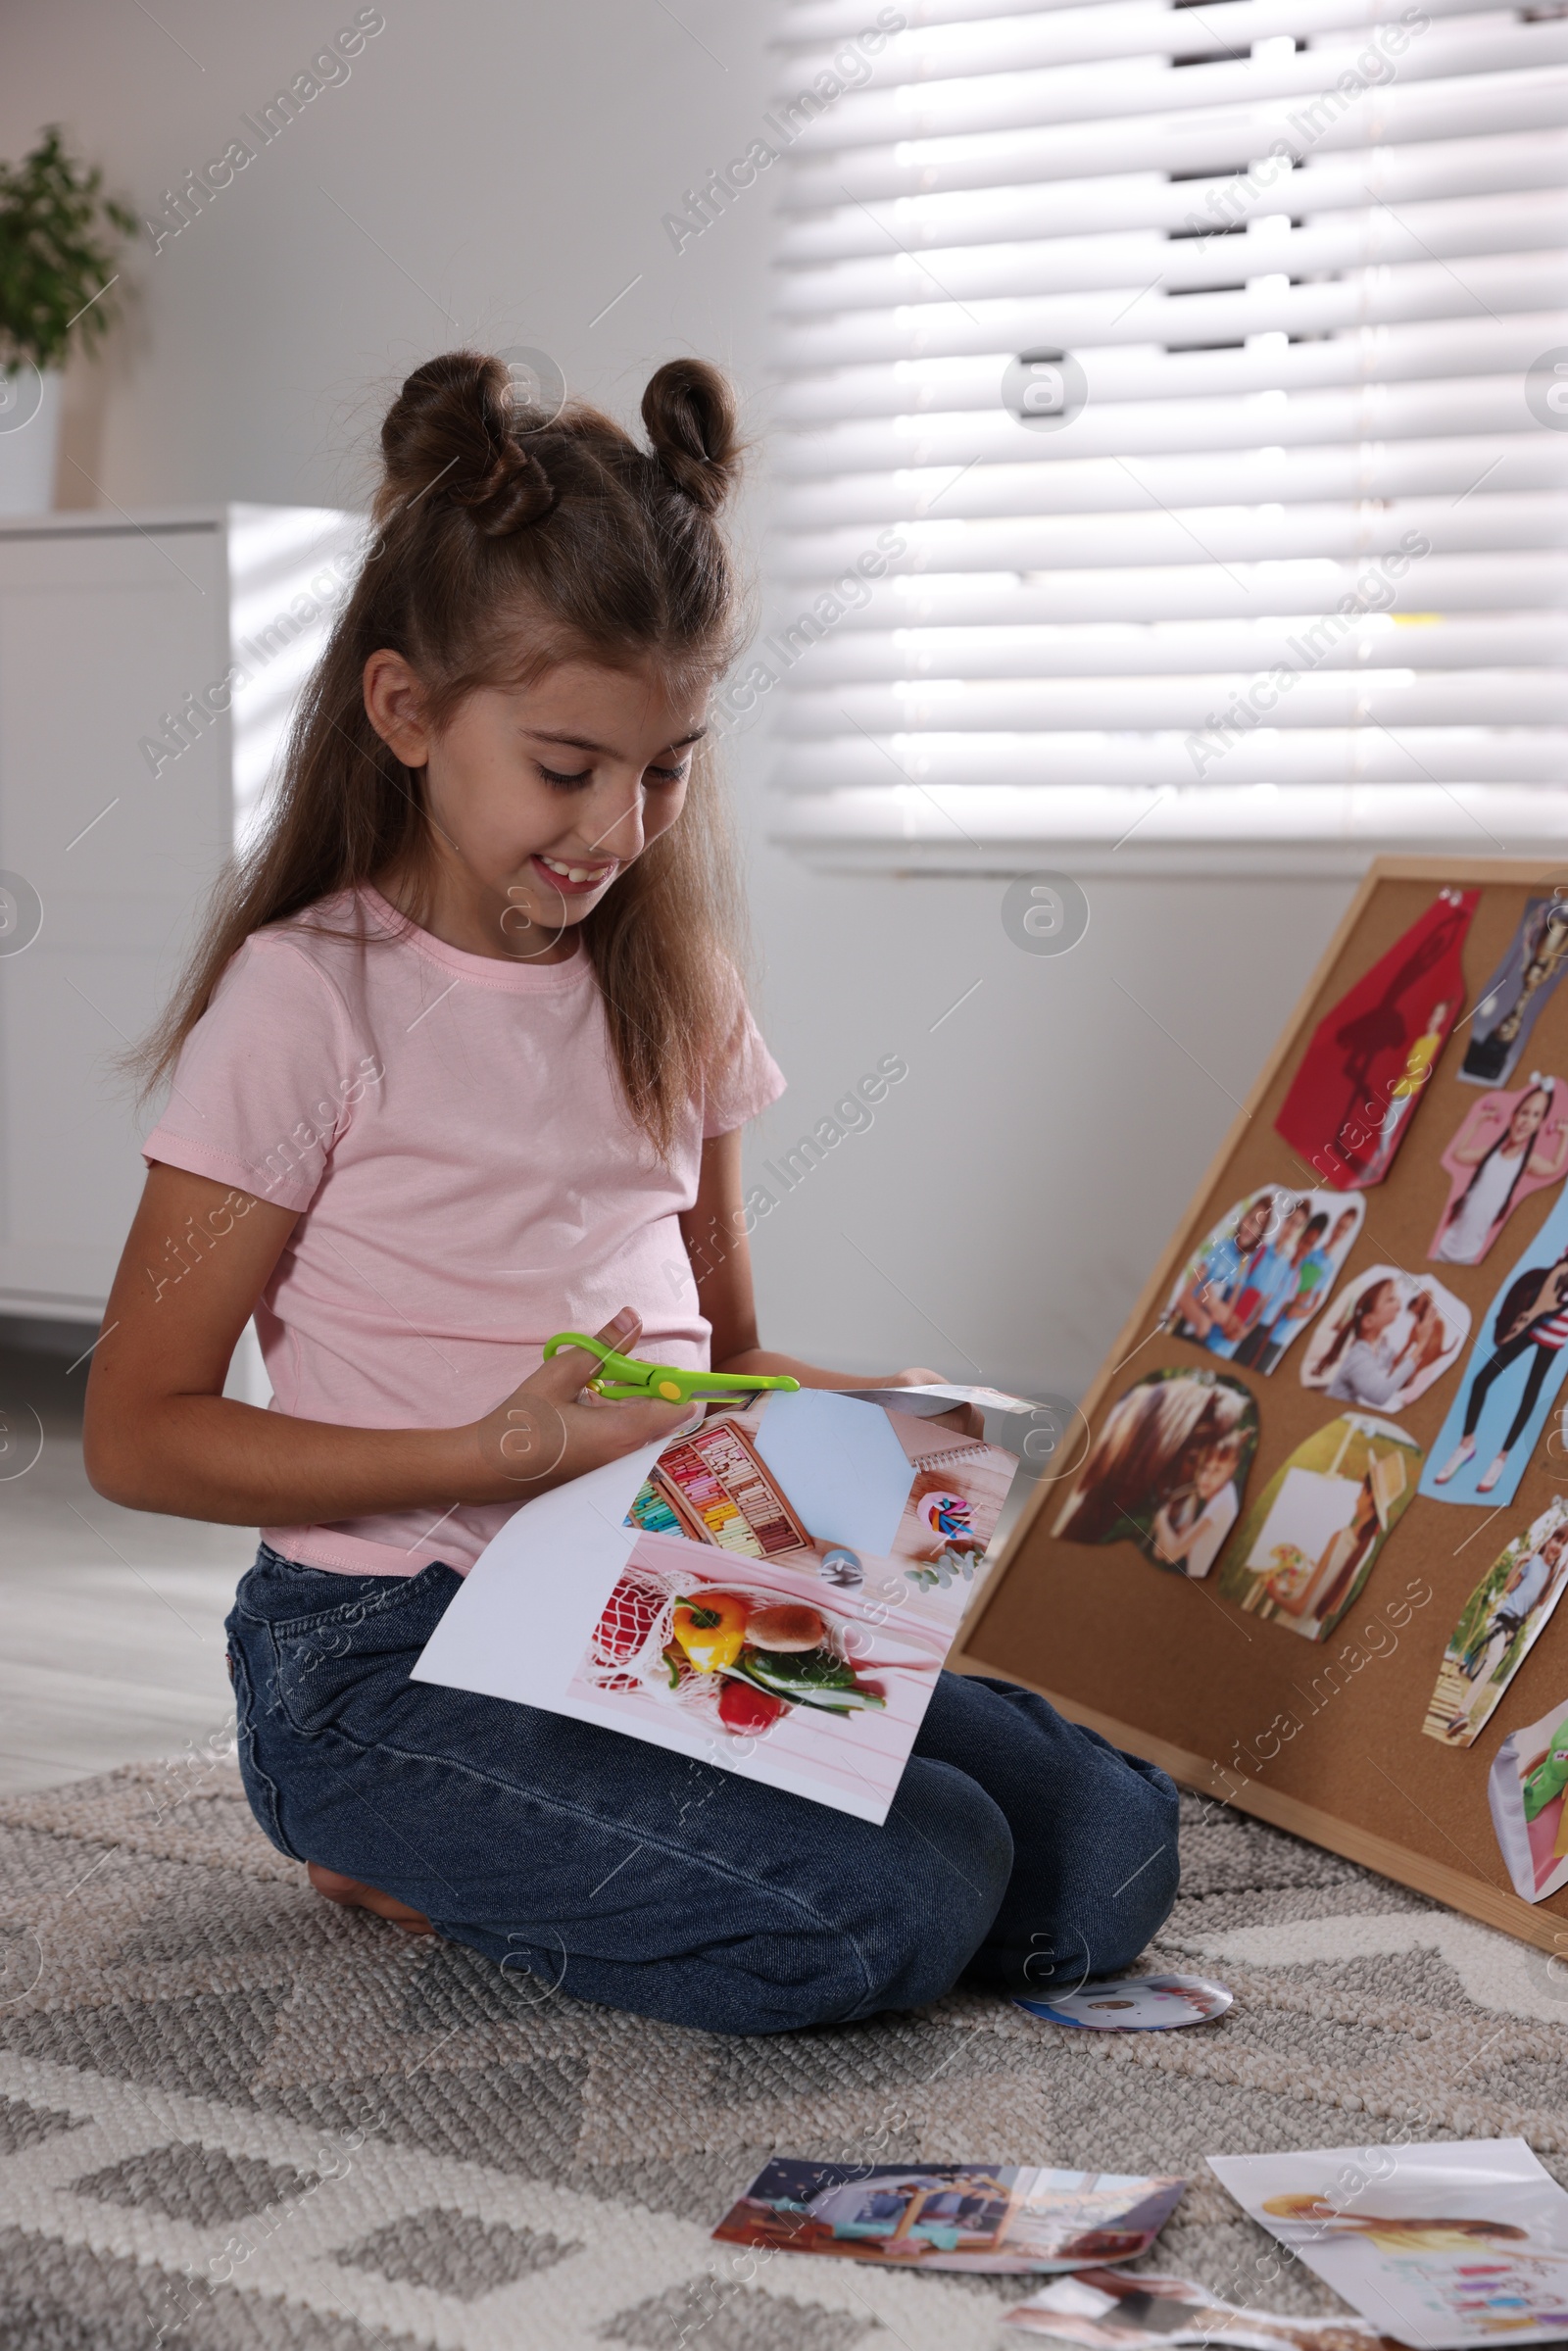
(124, 784)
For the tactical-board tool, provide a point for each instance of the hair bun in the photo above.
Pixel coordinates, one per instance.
(689, 412)
(453, 427)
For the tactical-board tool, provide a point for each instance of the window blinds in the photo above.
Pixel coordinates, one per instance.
(1173, 432)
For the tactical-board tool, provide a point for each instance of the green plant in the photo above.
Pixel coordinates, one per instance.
(59, 236)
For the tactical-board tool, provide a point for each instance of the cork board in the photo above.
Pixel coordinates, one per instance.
(1322, 1736)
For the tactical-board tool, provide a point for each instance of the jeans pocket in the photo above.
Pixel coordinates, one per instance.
(260, 1788)
(321, 1662)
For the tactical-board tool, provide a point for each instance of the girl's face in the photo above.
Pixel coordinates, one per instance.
(1527, 1118)
(539, 795)
(1214, 1469)
(1379, 1310)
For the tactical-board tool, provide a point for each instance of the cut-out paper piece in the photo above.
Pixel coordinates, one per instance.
(1308, 1544)
(1498, 1628)
(1515, 1367)
(1351, 1103)
(997, 2218)
(705, 1614)
(1134, 2003)
(1167, 1469)
(1507, 1147)
(1388, 1336)
(1263, 1273)
(1439, 2245)
(1511, 1003)
(1526, 1789)
(1119, 2310)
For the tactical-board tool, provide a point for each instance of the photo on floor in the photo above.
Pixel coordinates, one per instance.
(1514, 1370)
(1308, 1544)
(1356, 1093)
(774, 1592)
(1387, 1337)
(1439, 2245)
(999, 2218)
(1168, 1470)
(1506, 1147)
(1498, 1625)
(1513, 998)
(1118, 2310)
(1263, 1272)
(1525, 1791)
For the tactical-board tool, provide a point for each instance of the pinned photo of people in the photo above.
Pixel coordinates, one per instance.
(1500, 1623)
(1385, 1340)
(1168, 1470)
(1526, 1790)
(1308, 1545)
(1512, 1000)
(1263, 1272)
(1507, 1147)
(1516, 1367)
(1366, 1066)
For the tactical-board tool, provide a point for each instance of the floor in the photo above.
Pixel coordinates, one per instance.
(111, 1620)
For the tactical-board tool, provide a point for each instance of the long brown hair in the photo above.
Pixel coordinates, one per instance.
(508, 540)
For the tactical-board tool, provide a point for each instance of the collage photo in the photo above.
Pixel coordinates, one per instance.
(1407, 1067)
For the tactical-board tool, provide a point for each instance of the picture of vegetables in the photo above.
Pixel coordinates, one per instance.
(749, 1656)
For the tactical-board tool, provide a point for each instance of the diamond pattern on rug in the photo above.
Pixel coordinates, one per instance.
(454, 2253)
(52, 2299)
(736, 2318)
(24, 2126)
(188, 2181)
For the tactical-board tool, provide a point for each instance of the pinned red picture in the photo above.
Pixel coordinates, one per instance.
(1351, 1103)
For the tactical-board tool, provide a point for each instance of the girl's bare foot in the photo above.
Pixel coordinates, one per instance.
(355, 1896)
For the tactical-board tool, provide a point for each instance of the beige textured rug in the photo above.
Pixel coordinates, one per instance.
(233, 2113)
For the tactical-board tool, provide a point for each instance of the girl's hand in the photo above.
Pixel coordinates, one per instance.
(544, 1433)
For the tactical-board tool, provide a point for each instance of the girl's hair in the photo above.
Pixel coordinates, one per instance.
(508, 540)
(1351, 1325)
(1545, 1088)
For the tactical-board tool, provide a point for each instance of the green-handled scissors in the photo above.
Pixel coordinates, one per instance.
(623, 1376)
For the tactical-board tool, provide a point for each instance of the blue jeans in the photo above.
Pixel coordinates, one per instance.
(1022, 1850)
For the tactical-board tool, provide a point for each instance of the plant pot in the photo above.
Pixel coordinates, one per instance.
(29, 438)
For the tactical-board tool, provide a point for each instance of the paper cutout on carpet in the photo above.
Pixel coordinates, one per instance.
(1119, 2310)
(1308, 1544)
(1263, 1273)
(789, 1627)
(1498, 1628)
(1439, 2245)
(1388, 1337)
(1133, 2003)
(1167, 1469)
(1506, 1147)
(1352, 1099)
(1513, 998)
(1515, 1368)
(1001, 2219)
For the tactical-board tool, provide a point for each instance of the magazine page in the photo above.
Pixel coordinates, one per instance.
(1135, 2310)
(774, 1592)
(1440, 2246)
(998, 2219)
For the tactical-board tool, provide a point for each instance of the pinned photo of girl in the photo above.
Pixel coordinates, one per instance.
(1263, 1272)
(1526, 1789)
(1385, 1340)
(1535, 960)
(1500, 1623)
(1507, 1147)
(1516, 1368)
(1308, 1543)
(1168, 1470)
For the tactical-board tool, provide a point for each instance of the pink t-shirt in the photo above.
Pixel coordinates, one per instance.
(452, 1130)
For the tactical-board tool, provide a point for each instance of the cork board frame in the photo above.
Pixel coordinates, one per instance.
(1244, 1709)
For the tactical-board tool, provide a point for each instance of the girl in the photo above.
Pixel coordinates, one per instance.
(461, 1061)
(1477, 1214)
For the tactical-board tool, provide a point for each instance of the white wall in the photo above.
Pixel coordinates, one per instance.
(497, 173)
